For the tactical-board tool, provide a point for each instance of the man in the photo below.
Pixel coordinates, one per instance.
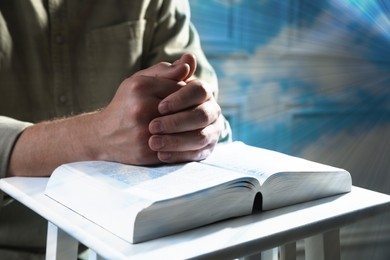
(61, 63)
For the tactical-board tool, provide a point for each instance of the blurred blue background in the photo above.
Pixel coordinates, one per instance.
(312, 79)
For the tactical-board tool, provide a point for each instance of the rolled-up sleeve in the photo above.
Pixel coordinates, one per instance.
(10, 129)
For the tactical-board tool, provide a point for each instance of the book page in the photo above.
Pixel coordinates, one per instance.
(121, 175)
(156, 183)
(260, 163)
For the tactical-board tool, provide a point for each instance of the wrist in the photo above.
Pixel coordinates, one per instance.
(87, 136)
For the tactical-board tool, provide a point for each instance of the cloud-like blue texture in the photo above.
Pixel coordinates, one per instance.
(323, 56)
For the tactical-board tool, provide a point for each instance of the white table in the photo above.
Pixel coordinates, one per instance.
(317, 222)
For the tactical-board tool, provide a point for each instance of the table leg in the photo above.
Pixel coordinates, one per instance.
(324, 246)
(59, 244)
(288, 251)
(270, 254)
(92, 255)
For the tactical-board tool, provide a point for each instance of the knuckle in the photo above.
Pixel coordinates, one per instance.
(203, 138)
(201, 154)
(200, 89)
(137, 111)
(203, 115)
(137, 84)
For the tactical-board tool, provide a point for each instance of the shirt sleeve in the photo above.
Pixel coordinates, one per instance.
(170, 33)
(10, 129)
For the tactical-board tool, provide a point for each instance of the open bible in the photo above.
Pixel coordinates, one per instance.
(142, 203)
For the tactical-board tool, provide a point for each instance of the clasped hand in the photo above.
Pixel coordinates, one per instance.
(160, 115)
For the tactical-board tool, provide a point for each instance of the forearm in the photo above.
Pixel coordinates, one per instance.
(44, 146)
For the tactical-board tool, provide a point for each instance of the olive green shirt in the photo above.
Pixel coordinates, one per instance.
(59, 58)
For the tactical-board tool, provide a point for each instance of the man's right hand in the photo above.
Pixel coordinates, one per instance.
(118, 132)
(124, 125)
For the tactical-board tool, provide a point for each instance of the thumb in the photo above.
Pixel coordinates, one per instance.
(191, 61)
(178, 71)
(181, 70)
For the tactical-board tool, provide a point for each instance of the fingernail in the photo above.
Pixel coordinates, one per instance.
(155, 127)
(164, 107)
(164, 156)
(157, 143)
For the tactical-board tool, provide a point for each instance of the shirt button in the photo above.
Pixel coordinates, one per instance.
(59, 39)
(63, 99)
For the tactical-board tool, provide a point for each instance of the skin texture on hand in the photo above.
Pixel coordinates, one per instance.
(190, 124)
(124, 129)
(157, 115)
